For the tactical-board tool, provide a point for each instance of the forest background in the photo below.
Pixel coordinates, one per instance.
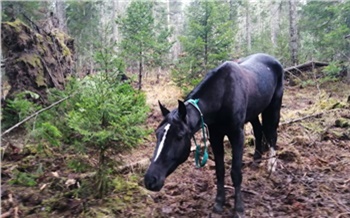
(118, 45)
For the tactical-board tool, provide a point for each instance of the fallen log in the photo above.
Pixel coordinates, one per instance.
(306, 66)
(298, 70)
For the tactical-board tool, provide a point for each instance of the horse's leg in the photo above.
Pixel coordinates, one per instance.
(216, 141)
(237, 140)
(257, 128)
(270, 120)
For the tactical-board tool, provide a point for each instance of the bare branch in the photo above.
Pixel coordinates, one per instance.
(35, 114)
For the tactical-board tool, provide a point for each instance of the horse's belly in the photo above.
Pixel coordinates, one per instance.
(256, 105)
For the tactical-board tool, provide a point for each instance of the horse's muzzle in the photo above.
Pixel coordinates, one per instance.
(153, 183)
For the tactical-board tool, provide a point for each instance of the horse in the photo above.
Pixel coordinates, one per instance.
(229, 96)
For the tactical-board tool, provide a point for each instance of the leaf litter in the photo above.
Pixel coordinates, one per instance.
(312, 177)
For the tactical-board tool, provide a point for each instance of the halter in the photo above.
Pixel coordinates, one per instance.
(204, 126)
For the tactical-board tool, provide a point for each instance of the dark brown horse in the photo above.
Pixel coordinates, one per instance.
(229, 96)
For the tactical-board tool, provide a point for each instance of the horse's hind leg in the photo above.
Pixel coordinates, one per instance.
(216, 141)
(270, 120)
(257, 128)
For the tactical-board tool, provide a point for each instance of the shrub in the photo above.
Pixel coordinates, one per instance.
(19, 108)
(332, 70)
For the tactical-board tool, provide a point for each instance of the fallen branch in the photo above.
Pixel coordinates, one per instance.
(35, 114)
(307, 117)
(301, 119)
(342, 214)
(8, 213)
(138, 164)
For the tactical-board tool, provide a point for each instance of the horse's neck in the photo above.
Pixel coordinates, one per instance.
(193, 118)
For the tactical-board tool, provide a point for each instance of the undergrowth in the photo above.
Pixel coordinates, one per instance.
(102, 117)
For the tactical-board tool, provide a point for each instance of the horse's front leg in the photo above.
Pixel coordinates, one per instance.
(216, 141)
(237, 139)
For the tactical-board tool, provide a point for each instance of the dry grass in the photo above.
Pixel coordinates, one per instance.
(165, 91)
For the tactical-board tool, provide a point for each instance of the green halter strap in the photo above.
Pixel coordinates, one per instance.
(204, 126)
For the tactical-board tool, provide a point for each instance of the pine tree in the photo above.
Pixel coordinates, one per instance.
(323, 27)
(145, 36)
(163, 33)
(83, 24)
(207, 40)
(175, 21)
(137, 30)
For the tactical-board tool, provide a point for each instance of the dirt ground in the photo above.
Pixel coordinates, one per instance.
(312, 177)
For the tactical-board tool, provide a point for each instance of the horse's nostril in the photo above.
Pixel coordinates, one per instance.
(150, 180)
(152, 183)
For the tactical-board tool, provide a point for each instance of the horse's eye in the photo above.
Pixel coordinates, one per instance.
(180, 136)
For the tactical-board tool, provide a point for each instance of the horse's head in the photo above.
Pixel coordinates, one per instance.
(173, 146)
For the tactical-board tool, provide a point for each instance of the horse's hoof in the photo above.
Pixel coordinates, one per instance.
(238, 214)
(218, 208)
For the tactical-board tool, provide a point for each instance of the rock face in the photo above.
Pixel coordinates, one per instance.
(34, 60)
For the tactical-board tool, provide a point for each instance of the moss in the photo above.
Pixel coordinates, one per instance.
(66, 52)
(339, 105)
(16, 25)
(342, 123)
(61, 38)
(30, 149)
(34, 61)
(39, 37)
(31, 59)
(24, 38)
(40, 80)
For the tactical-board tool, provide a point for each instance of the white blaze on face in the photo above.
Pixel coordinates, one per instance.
(161, 144)
(271, 165)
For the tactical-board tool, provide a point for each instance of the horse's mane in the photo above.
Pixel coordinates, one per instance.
(201, 84)
(208, 77)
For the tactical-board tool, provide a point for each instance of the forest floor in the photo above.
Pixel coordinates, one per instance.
(312, 178)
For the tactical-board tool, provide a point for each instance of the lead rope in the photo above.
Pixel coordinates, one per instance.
(200, 164)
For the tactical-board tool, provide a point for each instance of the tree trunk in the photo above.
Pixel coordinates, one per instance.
(206, 38)
(275, 19)
(234, 5)
(61, 15)
(293, 32)
(248, 28)
(176, 22)
(140, 70)
(114, 26)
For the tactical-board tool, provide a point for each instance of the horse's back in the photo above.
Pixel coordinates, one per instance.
(261, 62)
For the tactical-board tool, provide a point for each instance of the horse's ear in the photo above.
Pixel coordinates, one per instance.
(163, 109)
(182, 110)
